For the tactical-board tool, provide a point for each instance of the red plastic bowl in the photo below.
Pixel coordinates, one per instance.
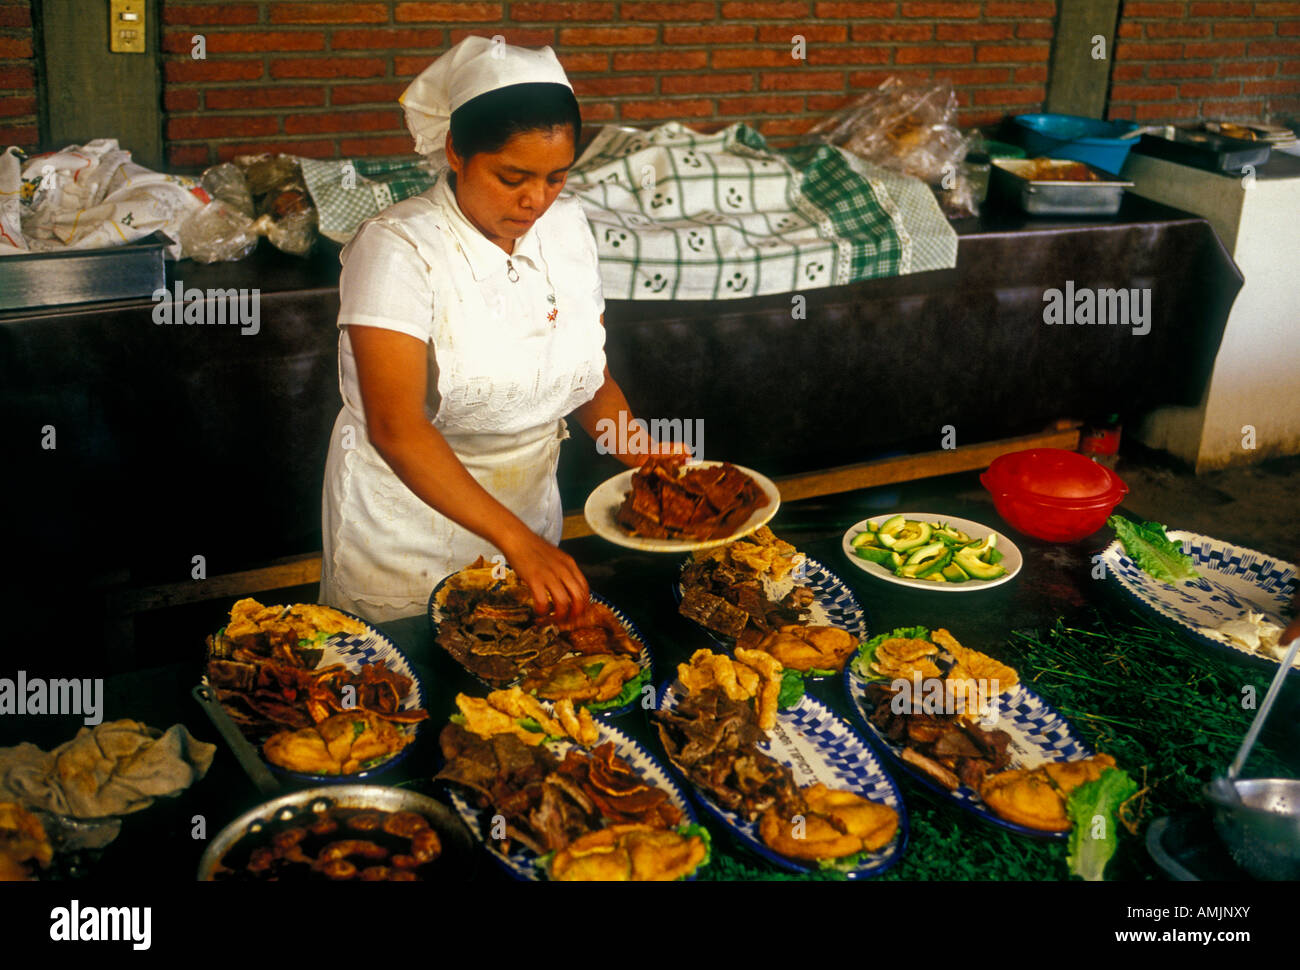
(1053, 494)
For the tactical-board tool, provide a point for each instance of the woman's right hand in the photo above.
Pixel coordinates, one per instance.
(554, 579)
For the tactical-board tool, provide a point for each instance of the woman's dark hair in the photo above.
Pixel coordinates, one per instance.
(486, 123)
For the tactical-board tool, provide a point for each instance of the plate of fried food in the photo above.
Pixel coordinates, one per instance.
(962, 724)
(761, 593)
(671, 504)
(553, 794)
(796, 784)
(326, 696)
(484, 617)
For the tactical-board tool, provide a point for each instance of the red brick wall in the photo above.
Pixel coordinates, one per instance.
(1176, 61)
(17, 76)
(322, 78)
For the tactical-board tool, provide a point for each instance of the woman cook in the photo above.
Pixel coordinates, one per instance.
(471, 322)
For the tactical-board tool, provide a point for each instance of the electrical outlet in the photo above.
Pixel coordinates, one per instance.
(126, 26)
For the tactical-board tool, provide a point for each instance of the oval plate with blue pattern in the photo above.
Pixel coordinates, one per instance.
(833, 602)
(817, 746)
(357, 650)
(522, 862)
(1039, 733)
(643, 660)
(1234, 581)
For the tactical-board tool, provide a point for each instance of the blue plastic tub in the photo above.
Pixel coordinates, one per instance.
(1087, 140)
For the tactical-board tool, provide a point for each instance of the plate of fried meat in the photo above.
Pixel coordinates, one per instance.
(553, 794)
(326, 696)
(962, 725)
(484, 617)
(761, 593)
(796, 785)
(671, 504)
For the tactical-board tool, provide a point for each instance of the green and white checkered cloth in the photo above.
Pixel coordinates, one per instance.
(349, 191)
(680, 215)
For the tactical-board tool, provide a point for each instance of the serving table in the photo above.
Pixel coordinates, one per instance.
(1165, 746)
(177, 442)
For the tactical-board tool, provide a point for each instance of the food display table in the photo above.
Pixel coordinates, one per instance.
(183, 441)
(1163, 707)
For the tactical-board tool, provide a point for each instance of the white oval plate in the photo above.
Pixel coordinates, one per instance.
(1234, 581)
(1012, 561)
(604, 502)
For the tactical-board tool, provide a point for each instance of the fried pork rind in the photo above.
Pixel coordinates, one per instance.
(903, 658)
(810, 647)
(770, 670)
(569, 678)
(301, 621)
(501, 711)
(872, 822)
(975, 674)
(809, 836)
(753, 674)
(1026, 798)
(1036, 798)
(623, 853)
(339, 745)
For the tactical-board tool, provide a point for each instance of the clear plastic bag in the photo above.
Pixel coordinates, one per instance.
(227, 183)
(908, 127)
(217, 233)
(255, 195)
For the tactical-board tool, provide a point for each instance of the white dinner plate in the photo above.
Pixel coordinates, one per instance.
(604, 502)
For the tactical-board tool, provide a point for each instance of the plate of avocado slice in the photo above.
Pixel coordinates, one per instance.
(929, 550)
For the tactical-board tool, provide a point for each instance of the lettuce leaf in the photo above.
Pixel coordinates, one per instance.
(861, 664)
(1095, 804)
(626, 696)
(792, 688)
(1149, 547)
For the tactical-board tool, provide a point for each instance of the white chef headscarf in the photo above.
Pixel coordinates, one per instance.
(474, 66)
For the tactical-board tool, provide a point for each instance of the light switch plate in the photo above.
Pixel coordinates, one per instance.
(126, 27)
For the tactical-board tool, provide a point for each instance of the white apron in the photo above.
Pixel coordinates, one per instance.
(385, 549)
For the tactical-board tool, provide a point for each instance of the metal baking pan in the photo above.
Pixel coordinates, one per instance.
(459, 850)
(1051, 198)
(123, 272)
(1202, 149)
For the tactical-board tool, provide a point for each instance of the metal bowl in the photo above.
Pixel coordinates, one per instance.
(1262, 831)
(458, 857)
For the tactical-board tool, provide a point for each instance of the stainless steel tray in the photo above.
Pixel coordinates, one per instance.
(1049, 198)
(123, 272)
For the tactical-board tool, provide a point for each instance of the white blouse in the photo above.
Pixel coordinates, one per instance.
(515, 339)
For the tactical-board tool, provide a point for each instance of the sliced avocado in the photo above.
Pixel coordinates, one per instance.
(889, 529)
(926, 560)
(925, 552)
(863, 539)
(985, 544)
(913, 536)
(877, 555)
(934, 578)
(954, 573)
(969, 560)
